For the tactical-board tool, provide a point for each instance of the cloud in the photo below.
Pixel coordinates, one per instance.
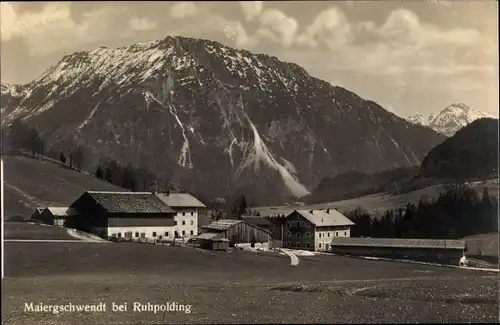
(141, 24)
(183, 10)
(251, 9)
(53, 29)
(330, 27)
(278, 27)
(237, 33)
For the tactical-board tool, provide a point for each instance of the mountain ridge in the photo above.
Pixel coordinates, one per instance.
(450, 119)
(204, 114)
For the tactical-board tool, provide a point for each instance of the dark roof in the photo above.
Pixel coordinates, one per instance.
(257, 221)
(130, 202)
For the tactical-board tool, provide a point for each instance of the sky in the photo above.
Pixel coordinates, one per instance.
(409, 56)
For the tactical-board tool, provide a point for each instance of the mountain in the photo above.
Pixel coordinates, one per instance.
(215, 119)
(11, 95)
(471, 153)
(451, 119)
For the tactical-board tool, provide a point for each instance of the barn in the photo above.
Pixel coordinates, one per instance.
(35, 216)
(56, 215)
(236, 231)
(137, 216)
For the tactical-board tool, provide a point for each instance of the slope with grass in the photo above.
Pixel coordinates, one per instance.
(32, 183)
(376, 204)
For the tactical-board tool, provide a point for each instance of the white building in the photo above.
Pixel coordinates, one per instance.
(315, 229)
(187, 209)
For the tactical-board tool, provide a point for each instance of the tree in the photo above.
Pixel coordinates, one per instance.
(19, 135)
(34, 142)
(62, 157)
(99, 173)
(239, 206)
(78, 157)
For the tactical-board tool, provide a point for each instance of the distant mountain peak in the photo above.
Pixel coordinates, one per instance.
(451, 119)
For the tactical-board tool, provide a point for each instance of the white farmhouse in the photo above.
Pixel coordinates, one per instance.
(315, 229)
(187, 209)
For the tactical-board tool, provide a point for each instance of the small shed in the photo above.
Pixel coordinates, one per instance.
(220, 244)
(236, 231)
(35, 216)
(57, 216)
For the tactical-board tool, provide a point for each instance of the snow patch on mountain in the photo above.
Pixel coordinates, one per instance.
(260, 152)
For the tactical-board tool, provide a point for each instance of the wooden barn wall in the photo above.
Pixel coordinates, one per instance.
(92, 215)
(141, 220)
(243, 232)
(433, 255)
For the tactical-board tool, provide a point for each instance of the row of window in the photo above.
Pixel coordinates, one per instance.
(297, 224)
(308, 234)
(297, 244)
(143, 234)
(184, 222)
(336, 234)
(184, 213)
(308, 245)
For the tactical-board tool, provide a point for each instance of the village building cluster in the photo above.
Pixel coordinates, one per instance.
(166, 216)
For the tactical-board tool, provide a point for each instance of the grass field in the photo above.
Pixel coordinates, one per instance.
(29, 231)
(378, 203)
(235, 287)
(32, 183)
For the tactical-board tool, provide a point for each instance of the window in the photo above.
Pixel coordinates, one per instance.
(183, 222)
(288, 244)
(136, 234)
(345, 233)
(192, 232)
(297, 244)
(166, 233)
(328, 234)
(308, 245)
(183, 213)
(319, 245)
(175, 222)
(192, 213)
(336, 234)
(119, 235)
(183, 233)
(288, 233)
(154, 233)
(298, 235)
(319, 235)
(308, 234)
(192, 222)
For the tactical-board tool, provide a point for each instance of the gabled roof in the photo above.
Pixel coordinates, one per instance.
(130, 202)
(225, 224)
(62, 211)
(257, 221)
(325, 219)
(222, 224)
(180, 200)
